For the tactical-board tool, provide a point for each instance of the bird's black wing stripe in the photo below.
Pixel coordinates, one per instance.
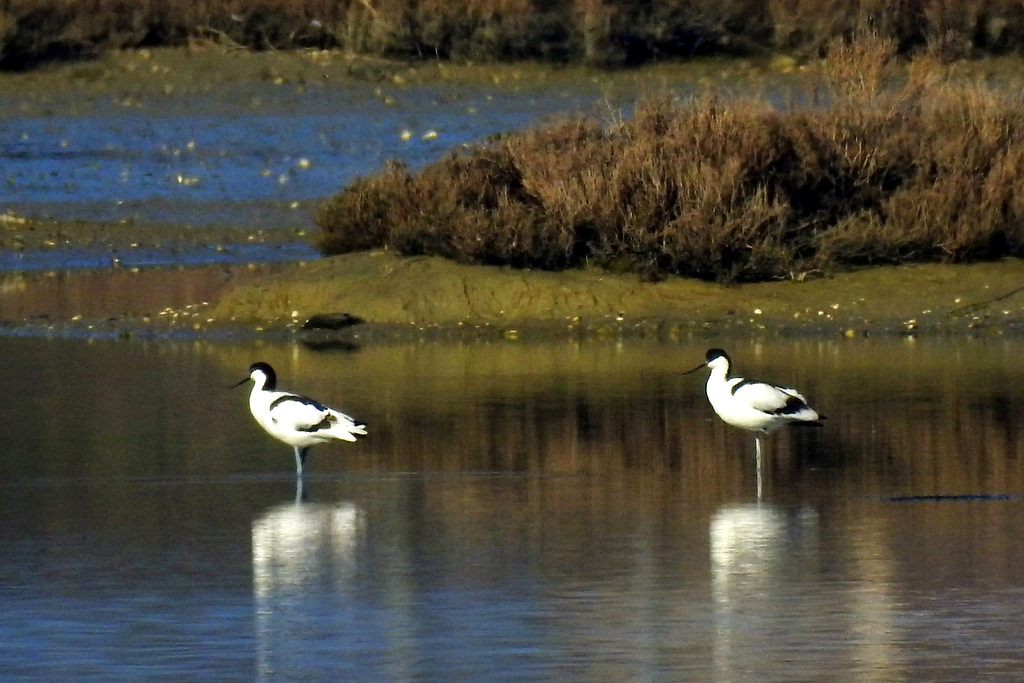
(322, 424)
(793, 405)
(300, 399)
(744, 382)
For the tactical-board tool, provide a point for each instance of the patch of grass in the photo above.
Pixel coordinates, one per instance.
(724, 190)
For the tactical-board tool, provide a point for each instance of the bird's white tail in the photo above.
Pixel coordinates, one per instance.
(344, 427)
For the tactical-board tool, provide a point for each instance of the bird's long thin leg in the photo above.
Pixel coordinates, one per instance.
(300, 459)
(757, 459)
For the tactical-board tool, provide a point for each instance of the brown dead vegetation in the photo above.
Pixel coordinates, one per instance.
(926, 170)
(609, 32)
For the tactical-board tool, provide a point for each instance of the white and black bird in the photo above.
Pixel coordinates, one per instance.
(757, 407)
(295, 420)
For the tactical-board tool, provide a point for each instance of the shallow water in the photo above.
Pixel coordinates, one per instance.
(262, 155)
(125, 292)
(97, 258)
(250, 156)
(546, 511)
(260, 161)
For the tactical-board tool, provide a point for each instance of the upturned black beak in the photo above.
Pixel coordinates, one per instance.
(238, 384)
(690, 372)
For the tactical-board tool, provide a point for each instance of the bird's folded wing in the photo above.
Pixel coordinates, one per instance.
(298, 413)
(769, 398)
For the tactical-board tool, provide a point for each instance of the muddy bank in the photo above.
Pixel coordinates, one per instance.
(411, 297)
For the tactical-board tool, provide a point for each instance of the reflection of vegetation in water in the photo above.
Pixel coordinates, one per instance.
(598, 31)
(911, 417)
(927, 170)
(905, 418)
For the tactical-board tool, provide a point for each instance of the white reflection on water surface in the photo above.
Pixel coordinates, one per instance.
(300, 552)
(774, 601)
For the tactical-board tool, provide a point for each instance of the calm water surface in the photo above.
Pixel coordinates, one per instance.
(547, 512)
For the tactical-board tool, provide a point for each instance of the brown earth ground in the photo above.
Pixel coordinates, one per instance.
(428, 297)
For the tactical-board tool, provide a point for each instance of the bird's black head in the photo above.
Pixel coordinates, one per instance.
(712, 354)
(271, 382)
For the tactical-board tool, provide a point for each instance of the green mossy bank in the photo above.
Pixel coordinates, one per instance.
(385, 289)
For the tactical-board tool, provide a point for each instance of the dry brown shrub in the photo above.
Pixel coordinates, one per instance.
(684, 28)
(606, 32)
(858, 70)
(734, 190)
(957, 157)
(558, 167)
(461, 198)
(377, 27)
(478, 29)
(945, 19)
(364, 208)
(693, 192)
(807, 25)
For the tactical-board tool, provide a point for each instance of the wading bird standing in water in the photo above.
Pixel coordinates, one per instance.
(295, 420)
(755, 406)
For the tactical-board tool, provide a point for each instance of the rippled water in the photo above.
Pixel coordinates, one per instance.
(260, 155)
(247, 164)
(546, 511)
(252, 155)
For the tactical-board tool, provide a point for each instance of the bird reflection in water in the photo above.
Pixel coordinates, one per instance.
(775, 603)
(304, 554)
(754, 548)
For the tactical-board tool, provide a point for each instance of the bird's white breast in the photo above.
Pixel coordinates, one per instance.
(734, 410)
